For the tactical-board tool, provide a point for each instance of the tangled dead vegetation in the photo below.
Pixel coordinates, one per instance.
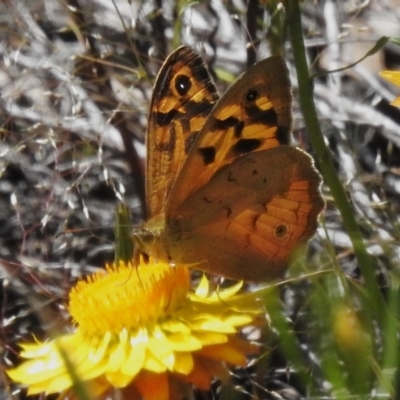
(75, 84)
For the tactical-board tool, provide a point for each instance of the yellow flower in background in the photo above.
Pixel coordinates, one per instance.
(392, 77)
(145, 332)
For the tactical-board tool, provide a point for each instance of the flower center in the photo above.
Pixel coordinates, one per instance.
(124, 297)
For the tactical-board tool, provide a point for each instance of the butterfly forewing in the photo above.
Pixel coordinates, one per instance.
(183, 97)
(253, 115)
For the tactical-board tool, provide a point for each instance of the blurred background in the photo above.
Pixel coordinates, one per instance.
(76, 80)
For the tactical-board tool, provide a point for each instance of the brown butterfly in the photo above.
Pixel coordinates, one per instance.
(226, 193)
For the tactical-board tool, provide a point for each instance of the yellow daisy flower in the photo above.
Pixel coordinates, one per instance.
(144, 332)
(392, 77)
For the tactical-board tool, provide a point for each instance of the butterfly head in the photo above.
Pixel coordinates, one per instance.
(146, 239)
(143, 239)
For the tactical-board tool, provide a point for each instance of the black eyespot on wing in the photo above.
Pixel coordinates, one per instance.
(207, 154)
(280, 231)
(182, 84)
(244, 146)
(252, 95)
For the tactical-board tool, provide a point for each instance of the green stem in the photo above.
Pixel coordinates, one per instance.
(123, 235)
(324, 159)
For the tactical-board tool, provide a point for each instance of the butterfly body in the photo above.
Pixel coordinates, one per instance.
(241, 199)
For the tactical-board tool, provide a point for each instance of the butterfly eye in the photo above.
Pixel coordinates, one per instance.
(182, 84)
(280, 231)
(252, 95)
(143, 238)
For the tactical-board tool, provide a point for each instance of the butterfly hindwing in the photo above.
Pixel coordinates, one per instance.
(248, 219)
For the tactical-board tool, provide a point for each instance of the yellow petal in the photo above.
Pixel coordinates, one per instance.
(183, 363)
(118, 353)
(182, 342)
(135, 361)
(58, 384)
(225, 294)
(209, 338)
(203, 288)
(153, 364)
(391, 76)
(161, 348)
(32, 371)
(213, 325)
(237, 320)
(118, 379)
(36, 350)
(98, 348)
(90, 370)
(176, 326)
